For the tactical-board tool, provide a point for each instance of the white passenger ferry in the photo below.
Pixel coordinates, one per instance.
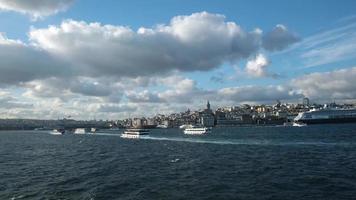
(197, 130)
(135, 133)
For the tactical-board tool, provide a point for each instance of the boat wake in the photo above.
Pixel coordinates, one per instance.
(235, 142)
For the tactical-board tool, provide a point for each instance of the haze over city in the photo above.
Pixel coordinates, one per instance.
(116, 59)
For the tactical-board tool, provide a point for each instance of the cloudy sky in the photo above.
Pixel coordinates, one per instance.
(111, 59)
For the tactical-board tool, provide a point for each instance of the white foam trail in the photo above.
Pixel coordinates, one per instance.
(106, 134)
(245, 142)
(233, 142)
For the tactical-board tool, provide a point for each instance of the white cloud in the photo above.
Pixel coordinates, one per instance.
(338, 84)
(9, 102)
(114, 108)
(35, 8)
(66, 89)
(90, 70)
(178, 94)
(253, 93)
(143, 97)
(257, 67)
(199, 42)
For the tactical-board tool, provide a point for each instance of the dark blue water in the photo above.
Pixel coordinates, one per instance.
(314, 162)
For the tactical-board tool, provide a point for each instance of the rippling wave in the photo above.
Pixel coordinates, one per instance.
(316, 162)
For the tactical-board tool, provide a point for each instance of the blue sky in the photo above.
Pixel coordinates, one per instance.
(305, 17)
(317, 41)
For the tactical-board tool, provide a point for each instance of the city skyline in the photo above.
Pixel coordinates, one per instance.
(70, 57)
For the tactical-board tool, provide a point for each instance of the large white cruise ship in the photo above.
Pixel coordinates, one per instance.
(327, 116)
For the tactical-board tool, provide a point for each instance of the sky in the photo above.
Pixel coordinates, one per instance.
(114, 59)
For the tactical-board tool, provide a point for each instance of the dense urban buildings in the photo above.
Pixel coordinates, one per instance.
(278, 113)
(242, 115)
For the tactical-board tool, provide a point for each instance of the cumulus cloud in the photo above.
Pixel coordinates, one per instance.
(199, 42)
(112, 70)
(143, 97)
(181, 93)
(90, 87)
(257, 67)
(35, 8)
(336, 84)
(21, 63)
(177, 89)
(279, 38)
(253, 93)
(116, 108)
(185, 91)
(9, 102)
(66, 89)
(182, 90)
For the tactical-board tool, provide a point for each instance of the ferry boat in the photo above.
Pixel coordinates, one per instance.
(197, 130)
(327, 116)
(135, 133)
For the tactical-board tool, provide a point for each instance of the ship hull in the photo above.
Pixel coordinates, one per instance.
(328, 121)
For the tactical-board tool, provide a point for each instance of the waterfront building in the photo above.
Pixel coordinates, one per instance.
(167, 123)
(306, 102)
(138, 123)
(207, 118)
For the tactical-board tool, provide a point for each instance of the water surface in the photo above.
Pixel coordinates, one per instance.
(314, 162)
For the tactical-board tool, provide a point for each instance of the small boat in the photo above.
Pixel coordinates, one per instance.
(135, 133)
(57, 132)
(197, 130)
(161, 126)
(80, 131)
(185, 126)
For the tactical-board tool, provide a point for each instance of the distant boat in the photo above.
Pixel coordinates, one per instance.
(197, 130)
(135, 133)
(161, 126)
(185, 126)
(57, 132)
(80, 131)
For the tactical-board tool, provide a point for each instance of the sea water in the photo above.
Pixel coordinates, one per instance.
(313, 162)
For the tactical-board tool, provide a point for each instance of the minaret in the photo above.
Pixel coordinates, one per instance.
(208, 105)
